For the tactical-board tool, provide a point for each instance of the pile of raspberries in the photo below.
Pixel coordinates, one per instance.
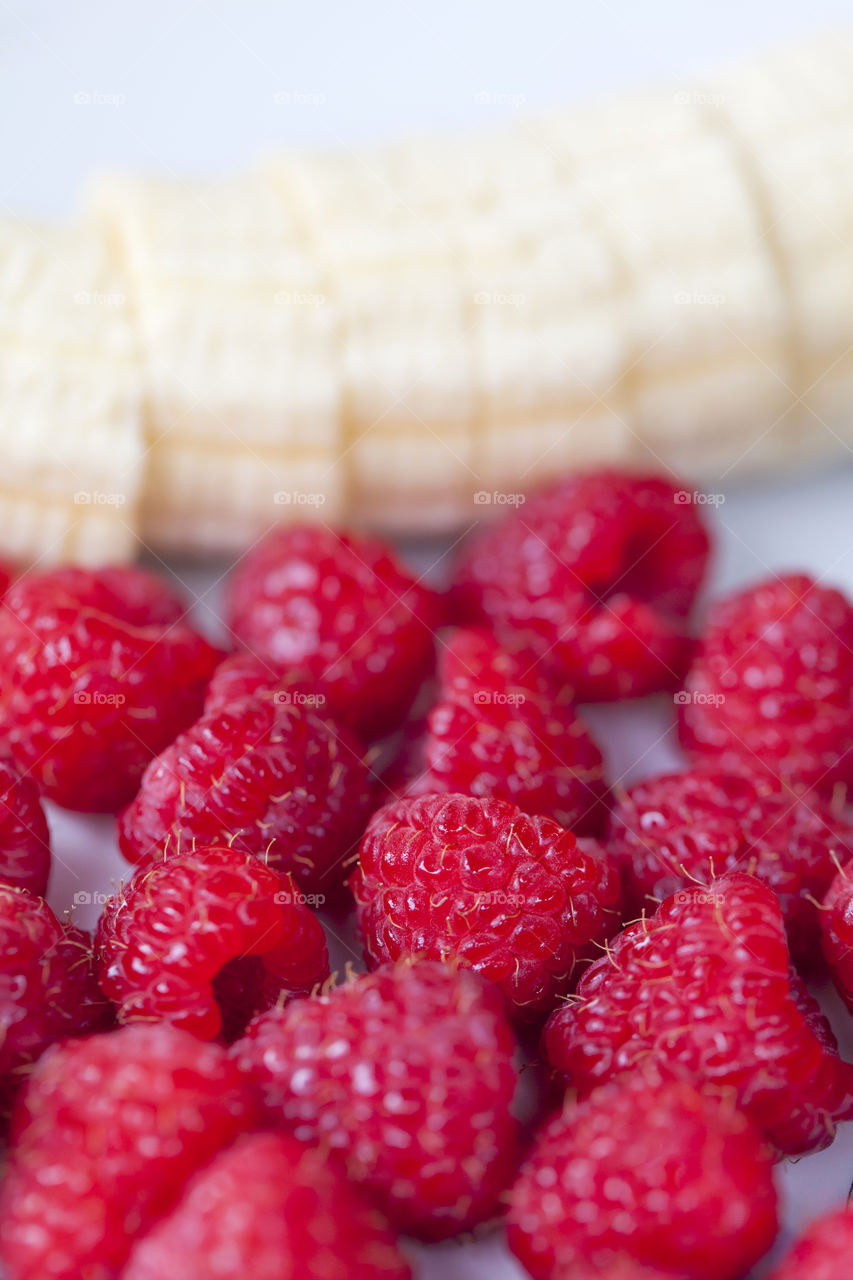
(583, 1018)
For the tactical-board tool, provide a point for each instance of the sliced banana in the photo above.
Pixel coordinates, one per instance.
(70, 399)
(239, 350)
(402, 334)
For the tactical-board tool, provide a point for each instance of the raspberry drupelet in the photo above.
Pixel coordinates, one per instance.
(269, 1208)
(269, 779)
(205, 941)
(836, 923)
(513, 896)
(823, 1252)
(595, 575)
(24, 834)
(98, 672)
(498, 728)
(104, 1137)
(682, 829)
(407, 1076)
(48, 990)
(771, 684)
(704, 990)
(336, 615)
(649, 1171)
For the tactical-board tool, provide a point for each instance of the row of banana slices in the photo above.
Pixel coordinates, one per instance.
(403, 336)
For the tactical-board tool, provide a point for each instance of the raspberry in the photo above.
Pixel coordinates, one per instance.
(686, 828)
(497, 731)
(97, 674)
(104, 1137)
(47, 986)
(596, 576)
(656, 1171)
(242, 676)
(611, 1267)
(471, 660)
(205, 941)
(24, 834)
(269, 1208)
(407, 1075)
(705, 990)
(823, 1252)
(512, 896)
(127, 592)
(272, 780)
(772, 683)
(7, 577)
(836, 921)
(338, 616)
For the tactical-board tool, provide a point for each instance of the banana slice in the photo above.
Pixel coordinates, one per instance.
(386, 335)
(70, 408)
(239, 344)
(791, 115)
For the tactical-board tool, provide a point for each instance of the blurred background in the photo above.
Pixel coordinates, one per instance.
(202, 86)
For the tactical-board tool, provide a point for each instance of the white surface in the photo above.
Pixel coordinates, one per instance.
(184, 86)
(191, 88)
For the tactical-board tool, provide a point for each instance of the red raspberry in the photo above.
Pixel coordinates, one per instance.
(24, 834)
(705, 990)
(405, 1073)
(47, 985)
(242, 676)
(823, 1252)
(97, 674)
(271, 780)
(496, 731)
(270, 1208)
(655, 1171)
(134, 595)
(512, 896)
(669, 832)
(206, 940)
(340, 617)
(105, 1135)
(836, 921)
(611, 1267)
(596, 574)
(772, 683)
(7, 576)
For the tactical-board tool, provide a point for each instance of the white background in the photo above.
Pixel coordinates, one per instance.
(188, 88)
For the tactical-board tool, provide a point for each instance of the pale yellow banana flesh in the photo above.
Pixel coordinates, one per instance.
(664, 279)
(71, 443)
